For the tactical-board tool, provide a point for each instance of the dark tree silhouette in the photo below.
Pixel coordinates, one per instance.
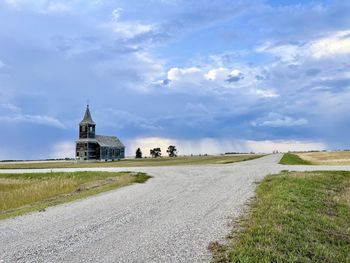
(138, 153)
(172, 151)
(155, 152)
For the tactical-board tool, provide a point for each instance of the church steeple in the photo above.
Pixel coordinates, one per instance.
(87, 126)
(87, 117)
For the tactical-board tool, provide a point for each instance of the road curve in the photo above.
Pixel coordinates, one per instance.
(170, 218)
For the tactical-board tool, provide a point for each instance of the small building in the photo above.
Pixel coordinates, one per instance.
(96, 147)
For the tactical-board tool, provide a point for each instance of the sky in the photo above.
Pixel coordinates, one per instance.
(208, 76)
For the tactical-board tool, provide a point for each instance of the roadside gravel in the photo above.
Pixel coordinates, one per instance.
(171, 218)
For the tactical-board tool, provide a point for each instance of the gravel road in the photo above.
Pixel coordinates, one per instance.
(170, 218)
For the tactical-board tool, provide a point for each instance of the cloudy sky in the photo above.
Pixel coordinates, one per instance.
(210, 76)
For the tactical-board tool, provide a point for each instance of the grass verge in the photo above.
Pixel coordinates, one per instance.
(164, 161)
(295, 217)
(22, 193)
(293, 159)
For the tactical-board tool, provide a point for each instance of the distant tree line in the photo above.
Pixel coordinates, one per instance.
(157, 152)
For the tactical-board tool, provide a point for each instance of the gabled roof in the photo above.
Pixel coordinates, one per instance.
(87, 117)
(109, 141)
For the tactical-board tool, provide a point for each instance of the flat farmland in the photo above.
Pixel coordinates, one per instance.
(163, 161)
(326, 158)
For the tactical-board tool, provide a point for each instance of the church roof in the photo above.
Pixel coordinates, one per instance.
(109, 141)
(87, 117)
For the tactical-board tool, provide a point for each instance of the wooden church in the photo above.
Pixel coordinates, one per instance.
(96, 147)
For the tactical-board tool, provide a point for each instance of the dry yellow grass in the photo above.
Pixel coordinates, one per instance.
(24, 192)
(327, 158)
(20, 193)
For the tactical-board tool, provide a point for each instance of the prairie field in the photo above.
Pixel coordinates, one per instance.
(163, 161)
(20, 193)
(327, 158)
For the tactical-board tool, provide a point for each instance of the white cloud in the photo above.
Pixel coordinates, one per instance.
(8, 107)
(220, 80)
(279, 120)
(235, 73)
(35, 119)
(116, 13)
(265, 93)
(218, 73)
(126, 30)
(195, 74)
(289, 53)
(219, 146)
(65, 149)
(135, 70)
(12, 114)
(333, 45)
(184, 74)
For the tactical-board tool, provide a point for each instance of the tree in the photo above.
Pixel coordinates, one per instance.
(155, 152)
(172, 151)
(138, 153)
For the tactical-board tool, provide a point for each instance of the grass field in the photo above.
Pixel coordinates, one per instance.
(21, 193)
(295, 217)
(164, 161)
(293, 159)
(327, 158)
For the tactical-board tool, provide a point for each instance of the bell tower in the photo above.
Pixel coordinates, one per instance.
(87, 126)
(86, 146)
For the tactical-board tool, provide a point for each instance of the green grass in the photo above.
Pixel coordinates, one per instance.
(164, 161)
(295, 217)
(293, 159)
(22, 193)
